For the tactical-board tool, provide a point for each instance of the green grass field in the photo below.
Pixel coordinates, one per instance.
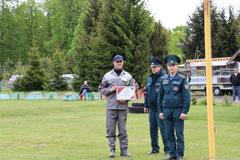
(58, 130)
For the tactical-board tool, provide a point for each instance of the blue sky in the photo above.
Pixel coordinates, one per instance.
(176, 12)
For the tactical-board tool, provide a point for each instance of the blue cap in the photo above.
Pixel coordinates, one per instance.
(155, 62)
(117, 57)
(172, 59)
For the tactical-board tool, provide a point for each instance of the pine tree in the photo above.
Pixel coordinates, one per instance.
(232, 33)
(194, 33)
(194, 42)
(159, 41)
(84, 35)
(224, 33)
(127, 31)
(57, 82)
(221, 34)
(238, 26)
(34, 78)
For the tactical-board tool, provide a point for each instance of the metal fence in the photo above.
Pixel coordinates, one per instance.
(67, 96)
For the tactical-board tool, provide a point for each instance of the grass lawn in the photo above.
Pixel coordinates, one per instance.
(58, 130)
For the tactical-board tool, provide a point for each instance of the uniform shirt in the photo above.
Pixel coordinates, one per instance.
(152, 88)
(111, 79)
(174, 93)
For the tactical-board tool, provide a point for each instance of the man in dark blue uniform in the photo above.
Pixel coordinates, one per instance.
(173, 105)
(152, 88)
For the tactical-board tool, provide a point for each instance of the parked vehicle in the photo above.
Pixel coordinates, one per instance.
(69, 79)
(220, 76)
(12, 79)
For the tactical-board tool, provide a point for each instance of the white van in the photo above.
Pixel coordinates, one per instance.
(69, 79)
(221, 73)
(12, 79)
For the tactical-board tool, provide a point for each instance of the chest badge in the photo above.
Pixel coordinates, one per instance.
(175, 88)
(165, 81)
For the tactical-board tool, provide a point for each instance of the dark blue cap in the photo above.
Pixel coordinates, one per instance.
(117, 57)
(172, 59)
(155, 62)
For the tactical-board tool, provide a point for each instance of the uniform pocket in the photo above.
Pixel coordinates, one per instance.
(177, 113)
(166, 86)
(157, 87)
(175, 87)
(170, 101)
(168, 113)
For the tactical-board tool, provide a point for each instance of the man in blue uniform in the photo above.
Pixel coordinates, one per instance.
(152, 88)
(173, 105)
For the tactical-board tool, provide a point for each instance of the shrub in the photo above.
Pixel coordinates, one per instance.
(204, 101)
(194, 100)
(227, 100)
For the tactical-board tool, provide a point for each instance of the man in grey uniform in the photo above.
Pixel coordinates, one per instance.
(116, 110)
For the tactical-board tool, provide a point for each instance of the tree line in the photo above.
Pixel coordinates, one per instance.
(225, 32)
(81, 36)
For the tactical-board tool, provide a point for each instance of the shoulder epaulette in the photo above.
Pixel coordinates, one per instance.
(181, 75)
(165, 76)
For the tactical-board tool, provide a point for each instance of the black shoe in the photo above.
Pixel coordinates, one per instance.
(179, 158)
(124, 153)
(153, 151)
(112, 153)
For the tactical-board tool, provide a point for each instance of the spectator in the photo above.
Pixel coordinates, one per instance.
(235, 80)
(136, 88)
(84, 90)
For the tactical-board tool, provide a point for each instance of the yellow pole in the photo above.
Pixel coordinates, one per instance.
(208, 57)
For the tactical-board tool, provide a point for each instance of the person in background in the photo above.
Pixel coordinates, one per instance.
(235, 80)
(136, 89)
(84, 90)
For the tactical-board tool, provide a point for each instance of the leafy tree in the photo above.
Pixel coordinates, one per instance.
(177, 35)
(7, 32)
(20, 69)
(20, 25)
(62, 18)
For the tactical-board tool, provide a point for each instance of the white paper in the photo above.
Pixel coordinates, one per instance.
(126, 93)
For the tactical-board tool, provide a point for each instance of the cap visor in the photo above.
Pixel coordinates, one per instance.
(154, 65)
(172, 63)
(117, 60)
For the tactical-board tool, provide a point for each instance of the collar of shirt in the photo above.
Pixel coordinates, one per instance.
(173, 77)
(155, 76)
(112, 72)
(159, 74)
